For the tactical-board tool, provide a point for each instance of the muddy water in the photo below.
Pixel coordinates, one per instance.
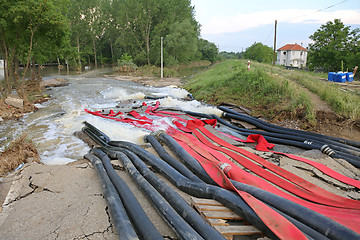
(51, 127)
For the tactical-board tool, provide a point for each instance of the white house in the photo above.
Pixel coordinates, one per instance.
(292, 55)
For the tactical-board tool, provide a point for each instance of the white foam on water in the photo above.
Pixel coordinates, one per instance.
(173, 92)
(118, 131)
(194, 106)
(163, 124)
(121, 94)
(104, 105)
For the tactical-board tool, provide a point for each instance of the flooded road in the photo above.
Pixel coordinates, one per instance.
(51, 128)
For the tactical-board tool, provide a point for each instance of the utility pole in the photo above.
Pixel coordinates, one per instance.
(162, 59)
(274, 56)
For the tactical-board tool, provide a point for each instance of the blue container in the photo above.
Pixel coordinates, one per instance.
(340, 77)
(331, 76)
(349, 77)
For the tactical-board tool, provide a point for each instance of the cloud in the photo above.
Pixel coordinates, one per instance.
(246, 21)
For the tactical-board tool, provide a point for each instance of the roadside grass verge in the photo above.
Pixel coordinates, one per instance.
(266, 94)
(179, 71)
(341, 100)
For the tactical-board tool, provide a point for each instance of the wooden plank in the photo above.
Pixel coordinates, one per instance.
(222, 218)
(217, 222)
(237, 230)
(202, 201)
(213, 208)
(221, 215)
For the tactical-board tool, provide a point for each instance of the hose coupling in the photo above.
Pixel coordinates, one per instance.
(327, 150)
(225, 167)
(156, 134)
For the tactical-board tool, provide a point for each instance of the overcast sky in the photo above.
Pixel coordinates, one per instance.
(234, 25)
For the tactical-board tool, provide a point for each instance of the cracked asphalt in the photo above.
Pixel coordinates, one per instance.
(62, 202)
(66, 201)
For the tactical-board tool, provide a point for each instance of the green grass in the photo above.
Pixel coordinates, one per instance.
(342, 102)
(257, 89)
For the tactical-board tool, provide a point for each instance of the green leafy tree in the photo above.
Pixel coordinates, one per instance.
(142, 23)
(230, 55)
(39, 22)
(181, 43)
(259, 52)
(333, 43)
(208, 50)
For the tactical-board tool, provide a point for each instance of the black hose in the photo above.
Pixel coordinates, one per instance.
(182, 229)
(318, 222)
(178, 151)
(355, 161)
(176, 201)
(99, 133)
(288, 131)
(154, 98)
(226, 197)
(201, 190)
(118, 214)
(96, 138)
(248, 118)
(196, 114)
(138, 217)
(188, 160)
(307, 140)
(170, 160)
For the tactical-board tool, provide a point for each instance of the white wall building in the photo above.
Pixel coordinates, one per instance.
(292, 55)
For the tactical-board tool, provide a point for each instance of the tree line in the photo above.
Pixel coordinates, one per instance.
(97, 32)
(334, 47)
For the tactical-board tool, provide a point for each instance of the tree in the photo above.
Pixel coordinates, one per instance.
(143, 22)
(208, 50)
(334, 43)
(26, 24)
(259, 52)
(181, 43)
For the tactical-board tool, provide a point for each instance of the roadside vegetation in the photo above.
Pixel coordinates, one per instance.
(258, 89)
(341, 100)
(19, 151)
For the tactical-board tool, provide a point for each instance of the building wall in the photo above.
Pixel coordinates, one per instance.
(292, 58)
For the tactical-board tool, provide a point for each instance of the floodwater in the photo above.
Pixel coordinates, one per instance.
(52, 127)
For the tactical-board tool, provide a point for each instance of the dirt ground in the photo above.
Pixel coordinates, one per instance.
(66, 201)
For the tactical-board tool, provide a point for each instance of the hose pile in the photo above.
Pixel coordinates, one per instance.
(311, 224)
(334, 147)
(279, 203)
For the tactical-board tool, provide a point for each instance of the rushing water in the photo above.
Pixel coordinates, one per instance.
(51, 127)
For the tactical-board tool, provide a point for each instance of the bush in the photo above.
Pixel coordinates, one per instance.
(125, 64)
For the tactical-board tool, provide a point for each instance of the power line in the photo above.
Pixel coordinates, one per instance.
(320, 10)
(272, 30)
(332, 6)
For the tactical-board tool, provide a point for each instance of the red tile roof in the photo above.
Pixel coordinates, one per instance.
(293, 47)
